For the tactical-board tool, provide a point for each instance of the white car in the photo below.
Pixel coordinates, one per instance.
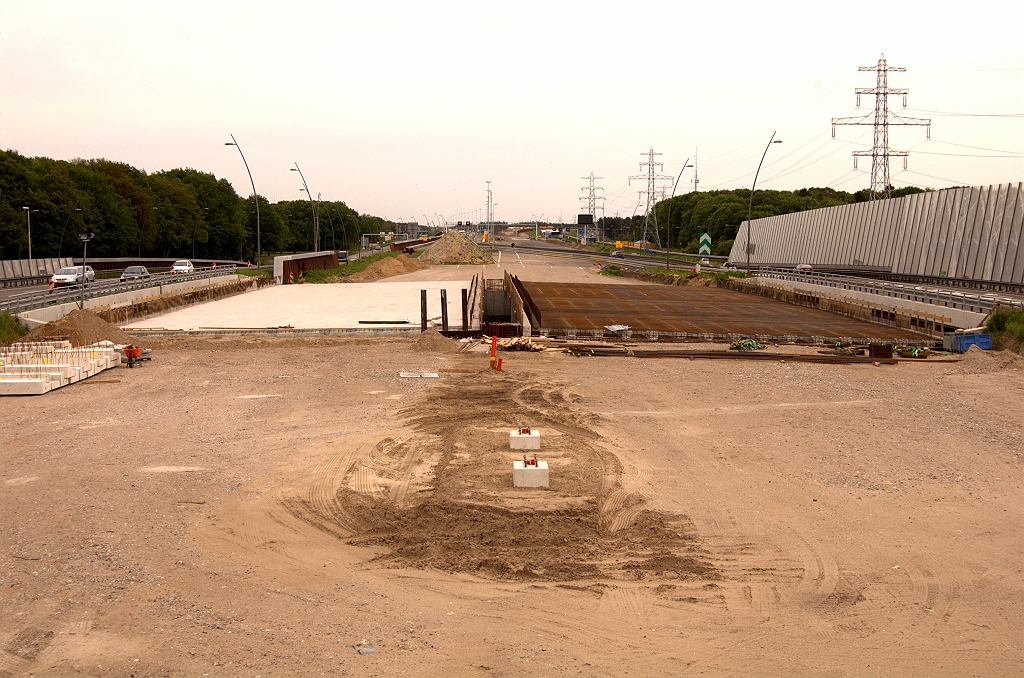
(71, 275)
(705, 262)
(183, 266)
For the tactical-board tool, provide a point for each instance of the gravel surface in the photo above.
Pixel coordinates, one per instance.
(270, 507)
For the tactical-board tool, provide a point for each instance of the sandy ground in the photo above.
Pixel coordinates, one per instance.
(243, 508)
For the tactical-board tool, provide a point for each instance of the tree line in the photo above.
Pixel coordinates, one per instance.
(173, 213)
(720, 213)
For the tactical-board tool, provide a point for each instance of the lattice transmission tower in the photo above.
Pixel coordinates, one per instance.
(651, 192)
(591, 197)
(881, 119)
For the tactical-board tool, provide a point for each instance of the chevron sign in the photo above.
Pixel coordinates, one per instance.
(705, 244)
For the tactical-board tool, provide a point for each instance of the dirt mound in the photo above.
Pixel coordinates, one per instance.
(681, 279)
(977, 361)
(442, 496)
(387, 267)
(433, 341)
(81, 328)
(456, 248)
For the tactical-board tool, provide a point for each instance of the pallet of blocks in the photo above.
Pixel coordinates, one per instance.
(38, 367)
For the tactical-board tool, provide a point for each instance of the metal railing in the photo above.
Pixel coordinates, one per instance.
(927, 294)
(74, 293)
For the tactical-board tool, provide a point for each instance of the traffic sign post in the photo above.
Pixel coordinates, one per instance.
(705, 244)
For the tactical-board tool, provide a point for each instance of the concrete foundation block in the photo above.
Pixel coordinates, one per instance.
(24, 386)
(530, 476)
(524, 441)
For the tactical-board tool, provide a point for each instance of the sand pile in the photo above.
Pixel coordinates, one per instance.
(433, 341)
(387, 267)
(977, 361)
(81, 328)
(456, 248)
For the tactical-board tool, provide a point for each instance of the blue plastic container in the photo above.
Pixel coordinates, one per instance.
(965, 341)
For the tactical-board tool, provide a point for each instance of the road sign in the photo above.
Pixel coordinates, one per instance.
(705, 244)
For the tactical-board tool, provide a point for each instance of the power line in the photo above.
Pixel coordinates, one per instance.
(970, 115)
(973, 155)
(881, 119)
(952, 181)
(977, 148)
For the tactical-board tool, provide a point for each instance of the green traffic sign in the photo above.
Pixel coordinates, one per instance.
(705, 244)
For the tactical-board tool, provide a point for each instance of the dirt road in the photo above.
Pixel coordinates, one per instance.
(265, 508)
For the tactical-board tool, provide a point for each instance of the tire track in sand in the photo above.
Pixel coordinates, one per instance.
(317, 504)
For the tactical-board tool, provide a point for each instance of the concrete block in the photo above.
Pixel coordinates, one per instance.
(524, 441)
(24, 386)
(530, 476)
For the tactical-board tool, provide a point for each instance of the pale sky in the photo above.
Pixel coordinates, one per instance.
(406, 109)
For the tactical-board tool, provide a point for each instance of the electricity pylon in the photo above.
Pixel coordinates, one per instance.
(651, 193)
(881, 119)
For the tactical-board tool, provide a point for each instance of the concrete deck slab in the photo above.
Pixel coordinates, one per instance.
(321, 306)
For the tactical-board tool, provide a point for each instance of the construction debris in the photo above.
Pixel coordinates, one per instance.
(746, 345)
(619, 352)
(35, 368)
(518, 344)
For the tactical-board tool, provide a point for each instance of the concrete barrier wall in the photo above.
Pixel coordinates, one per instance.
(41, 316)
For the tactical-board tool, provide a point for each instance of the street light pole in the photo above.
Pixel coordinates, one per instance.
(316, 217)
(28, 220)
(750, 207)
(60, 245)
(668, 222)
(85, 238)
(255, 196)
(334, 245)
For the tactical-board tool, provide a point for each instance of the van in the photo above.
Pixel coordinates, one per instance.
(342, 256)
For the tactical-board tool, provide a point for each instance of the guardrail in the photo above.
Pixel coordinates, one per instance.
(965, 301)
(62, 295)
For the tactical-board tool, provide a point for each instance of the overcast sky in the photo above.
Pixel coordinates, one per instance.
(407, 109)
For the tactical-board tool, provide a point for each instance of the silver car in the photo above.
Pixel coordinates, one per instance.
(72, 275)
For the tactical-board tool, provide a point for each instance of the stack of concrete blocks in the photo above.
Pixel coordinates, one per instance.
(524, 474)
(35, 368)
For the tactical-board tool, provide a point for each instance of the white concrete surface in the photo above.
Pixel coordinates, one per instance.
(310, 306)
(41, 316)
(530, 476)
(524, 441)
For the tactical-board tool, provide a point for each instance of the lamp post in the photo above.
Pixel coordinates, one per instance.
(28, 220)
(194, 227)
(334, 245)
(750, 207)
(85, 238)
(316, 217)
(255, 196)
(668, 222)
(60, 245)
